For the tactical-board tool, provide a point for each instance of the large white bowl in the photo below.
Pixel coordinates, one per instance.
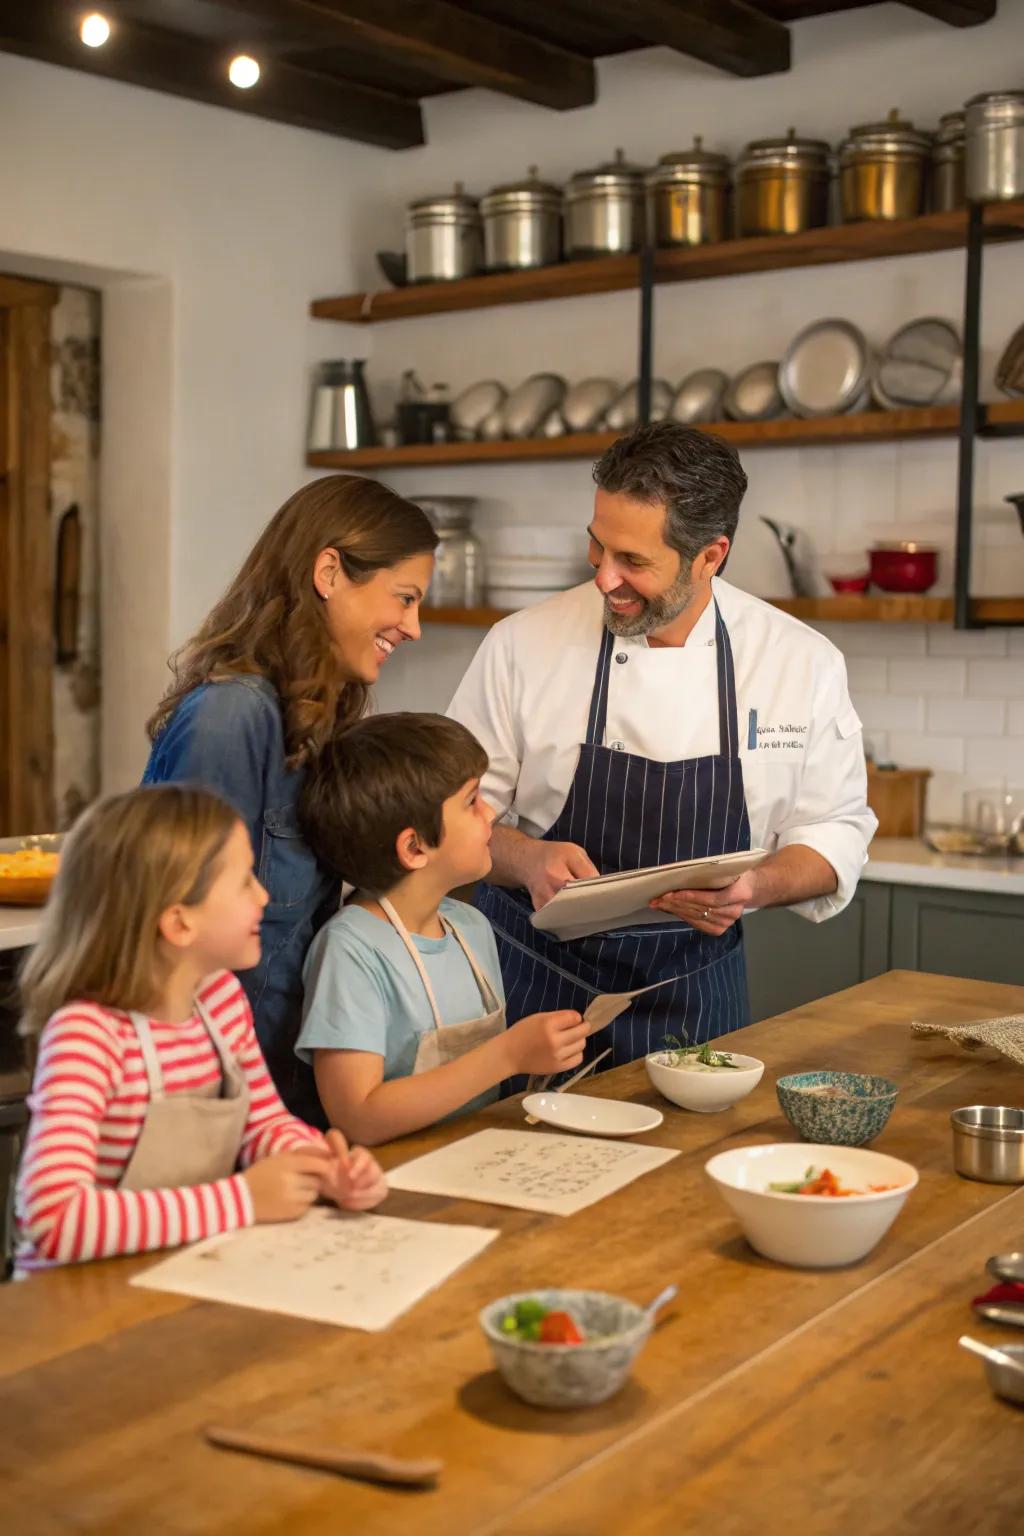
(811, 1231)
(705, 1092)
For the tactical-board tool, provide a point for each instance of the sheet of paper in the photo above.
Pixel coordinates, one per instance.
(604, 1010)
(359, 1271)
(534, 1172)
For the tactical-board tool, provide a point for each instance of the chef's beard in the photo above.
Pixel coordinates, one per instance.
(656, 613)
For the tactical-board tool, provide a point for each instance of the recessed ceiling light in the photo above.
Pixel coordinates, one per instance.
(243, 71)
(95, 30)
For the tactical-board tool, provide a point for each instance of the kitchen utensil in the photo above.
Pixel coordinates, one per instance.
(782, 186)
(589, 1116)
(340, 414)
(989, 1352)
(786, 537)
(569, 1375)
(395, 267)
(522, 224)
(826, 369)
(903, 566)
(586, 402)
(458, 579)
(897, 795)
(1010, 368)
(882, 170)
(700, 396)
(988, 1143)
(920, 364)
(492, 428)
(471, 409)
(811, 1231)
(576, 1077)
(704, 1092)
(1007, 1266)
(994, 167)
(948, 155)
(852, 1110)
(551, 572)
(422, 415)
(661, 1300)
(996, 815)
(1004, 1368)
(1017, 501)
(1005, 1313)
(552, 425)
(624, 412)
(368, 1466)
(443, 237)
(528, 404)
(604, 209)
(849, 584)
(754, 394)
(689, 196)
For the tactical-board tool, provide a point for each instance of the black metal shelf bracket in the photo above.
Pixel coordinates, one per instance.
(970, 421)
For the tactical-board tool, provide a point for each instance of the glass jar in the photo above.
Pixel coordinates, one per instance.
(458, 579)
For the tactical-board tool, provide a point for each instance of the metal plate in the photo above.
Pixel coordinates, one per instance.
(533, 400)
(471, 409)
(825, 369)
(921, 364)
(699, 397)
(754, 394)
(622, 414)
(586, 403)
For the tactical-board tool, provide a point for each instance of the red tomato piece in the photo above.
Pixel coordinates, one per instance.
(559, 1328)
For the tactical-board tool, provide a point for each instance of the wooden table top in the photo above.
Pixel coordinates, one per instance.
(763, 1388)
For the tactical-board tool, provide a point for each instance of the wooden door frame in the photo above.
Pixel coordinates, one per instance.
(26, 559)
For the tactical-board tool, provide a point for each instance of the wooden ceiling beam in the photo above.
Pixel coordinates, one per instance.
(451, 44)
(956, 13)
(729, 34)
(182, 66)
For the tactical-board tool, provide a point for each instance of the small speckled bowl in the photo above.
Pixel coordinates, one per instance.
(569, 1375)
(851, 1121)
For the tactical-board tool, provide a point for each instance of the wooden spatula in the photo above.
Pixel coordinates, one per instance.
(369, 1466)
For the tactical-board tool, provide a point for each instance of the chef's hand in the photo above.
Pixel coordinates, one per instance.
(353, 1179)
(553, 865)
(709, 911)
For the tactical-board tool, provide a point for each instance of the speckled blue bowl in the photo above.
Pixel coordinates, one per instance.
(848, 1122)
(569, 1375)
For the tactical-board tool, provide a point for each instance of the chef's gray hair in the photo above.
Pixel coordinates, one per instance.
(696, 477)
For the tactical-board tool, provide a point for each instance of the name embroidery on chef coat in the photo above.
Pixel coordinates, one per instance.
(774, 738)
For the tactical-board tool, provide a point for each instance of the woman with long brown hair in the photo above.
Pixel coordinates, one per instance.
(330, 589)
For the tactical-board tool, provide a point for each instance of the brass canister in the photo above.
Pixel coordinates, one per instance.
(689, 195)
(782, 186)
(948, 164)
(883, 170)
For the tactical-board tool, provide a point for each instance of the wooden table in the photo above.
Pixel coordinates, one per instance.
(770, 1398)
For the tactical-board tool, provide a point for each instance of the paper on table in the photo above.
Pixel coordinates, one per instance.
(557, 1174)
(358, 1271)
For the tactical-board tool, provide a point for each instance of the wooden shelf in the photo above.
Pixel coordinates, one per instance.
(880, 608)
(821, 431)
(728, 258)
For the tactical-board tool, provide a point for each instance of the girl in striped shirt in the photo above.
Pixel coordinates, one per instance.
(154, 1119)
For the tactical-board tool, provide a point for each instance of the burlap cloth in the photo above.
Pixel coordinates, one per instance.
(1005, 1035)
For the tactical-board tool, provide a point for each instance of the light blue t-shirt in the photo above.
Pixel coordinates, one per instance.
(363, 992)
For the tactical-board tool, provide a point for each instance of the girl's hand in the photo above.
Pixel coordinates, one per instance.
(282, 1187)
(543, 1043)
(354, 1179)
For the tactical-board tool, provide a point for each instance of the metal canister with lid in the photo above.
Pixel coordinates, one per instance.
(689, 193)
(443, 237)
(522, 224)
(458, 578)
(995, 146)
(882, 170)
(948, 164)
(604, 209)
(782, 186)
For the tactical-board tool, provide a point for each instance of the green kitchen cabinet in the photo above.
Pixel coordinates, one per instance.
(958, 933)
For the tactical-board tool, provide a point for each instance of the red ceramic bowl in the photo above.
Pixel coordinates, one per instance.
(842, 584)
(903, 567)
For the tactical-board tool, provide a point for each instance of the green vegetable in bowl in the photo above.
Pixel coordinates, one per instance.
(533, 1323)
(679, 1050)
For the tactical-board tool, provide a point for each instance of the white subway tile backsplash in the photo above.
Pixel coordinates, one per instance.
(1015, 642)
(946, 641)
(913, 749)
(878, 639)
(993, 758)
(1015, 718)
(966, 717)
(994, 679)
(886, 712)
(867, 674)
(944, 796)
(930, 674)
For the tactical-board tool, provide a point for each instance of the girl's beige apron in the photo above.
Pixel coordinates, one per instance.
(447, 1042)
(188, 1138)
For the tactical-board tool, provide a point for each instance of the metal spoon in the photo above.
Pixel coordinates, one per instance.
(987, 1352)
(1001, 1312)
(661, 1300)
(1008, 1267)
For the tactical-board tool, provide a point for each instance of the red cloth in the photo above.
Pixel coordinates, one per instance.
(1006, 1290)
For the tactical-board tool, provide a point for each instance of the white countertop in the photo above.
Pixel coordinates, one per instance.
(907, 861)
(19, 926)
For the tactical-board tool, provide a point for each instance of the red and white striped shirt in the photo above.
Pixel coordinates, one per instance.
(88, 1102)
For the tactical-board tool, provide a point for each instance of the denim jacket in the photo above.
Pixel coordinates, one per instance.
(229, 737)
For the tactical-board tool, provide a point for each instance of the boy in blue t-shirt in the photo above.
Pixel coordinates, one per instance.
(404, 1020)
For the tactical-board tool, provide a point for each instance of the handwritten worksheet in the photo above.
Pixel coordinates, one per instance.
(359, 1271)
(558, 1174)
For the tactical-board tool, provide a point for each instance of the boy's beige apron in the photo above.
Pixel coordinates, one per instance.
(188, 1138)
(447, 1042)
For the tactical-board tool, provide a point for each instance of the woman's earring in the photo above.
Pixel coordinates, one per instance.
(325, 595)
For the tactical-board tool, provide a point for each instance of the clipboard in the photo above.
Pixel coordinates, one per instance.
(622, 900)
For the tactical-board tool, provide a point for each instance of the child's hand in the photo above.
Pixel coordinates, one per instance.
(353, 1179)
(547, 1042)
(283, 1187)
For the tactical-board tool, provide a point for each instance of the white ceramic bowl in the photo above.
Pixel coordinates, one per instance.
(811, 1231)
(705, 1092)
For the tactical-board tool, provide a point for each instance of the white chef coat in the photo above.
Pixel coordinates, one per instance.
(526, 698)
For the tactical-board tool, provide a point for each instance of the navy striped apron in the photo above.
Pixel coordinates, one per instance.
(630, 812)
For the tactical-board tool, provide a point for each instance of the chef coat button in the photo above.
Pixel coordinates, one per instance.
(622, 658)
(619, 746)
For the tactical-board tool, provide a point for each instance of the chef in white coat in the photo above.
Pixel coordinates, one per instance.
(653, 715)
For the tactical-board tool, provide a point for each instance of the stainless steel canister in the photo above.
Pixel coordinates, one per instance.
(689, 194)
(995, 146)
(522, 224)
(443, 237)
(882, 170)
(782, 186)
(988, 1143)
(948, 164)
(604, 209)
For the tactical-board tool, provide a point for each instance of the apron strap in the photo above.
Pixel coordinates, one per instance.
(230, 1069)
(598, 718)
(151, 1060)
(489, 997)
(417, 959)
